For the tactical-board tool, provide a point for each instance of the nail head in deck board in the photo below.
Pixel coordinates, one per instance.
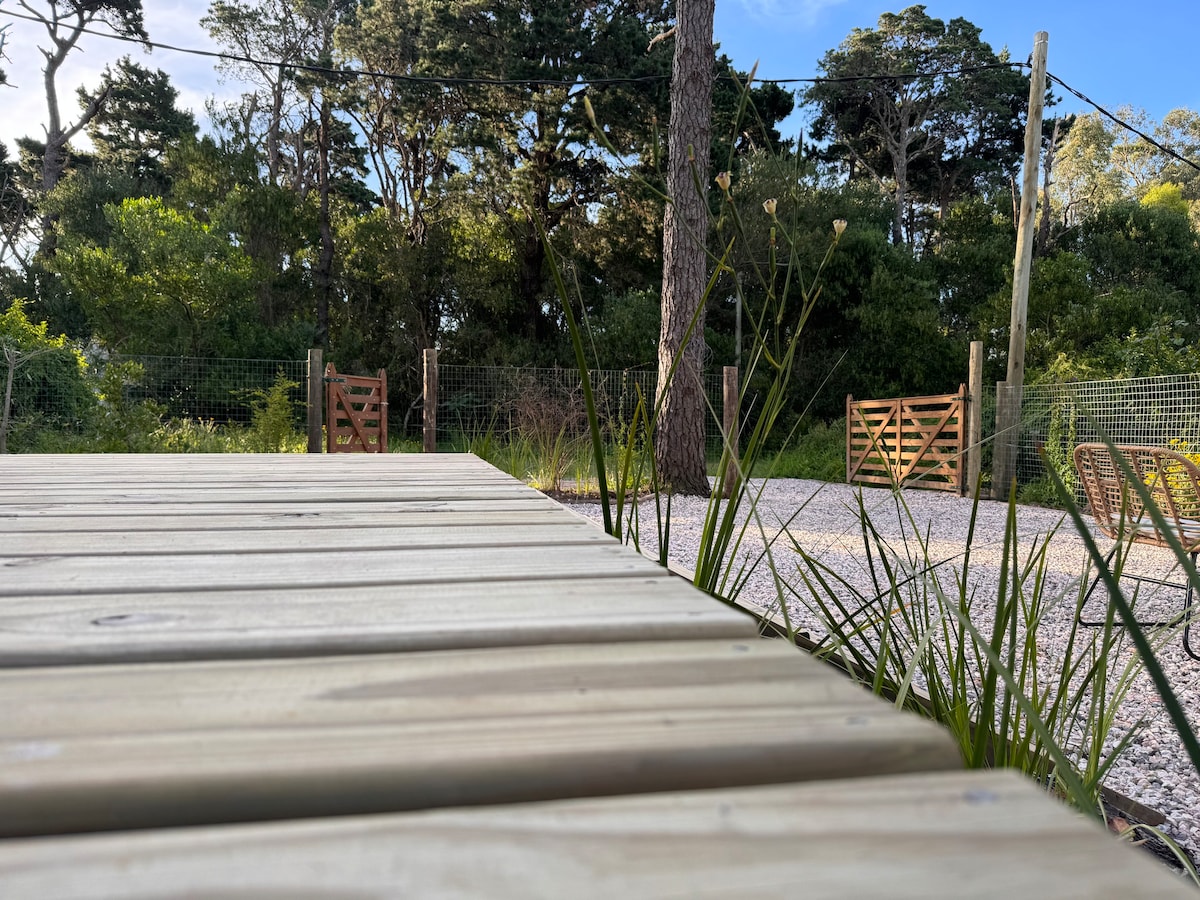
(943, 836)
(235, 741)
(61, 630)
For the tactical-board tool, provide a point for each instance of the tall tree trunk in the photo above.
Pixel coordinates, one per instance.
(679, 443)
(901, 167)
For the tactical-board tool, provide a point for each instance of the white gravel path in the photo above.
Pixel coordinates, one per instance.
(1155, 770)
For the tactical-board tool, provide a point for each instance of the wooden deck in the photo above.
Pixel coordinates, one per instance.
(399, 676)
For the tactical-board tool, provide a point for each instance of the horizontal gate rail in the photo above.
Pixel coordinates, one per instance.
(916, 441)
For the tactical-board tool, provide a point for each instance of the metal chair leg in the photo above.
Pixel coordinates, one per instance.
(1187, 606)
(1187, 617)
(1091, 588)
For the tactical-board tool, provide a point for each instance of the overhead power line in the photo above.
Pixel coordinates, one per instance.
(1122, 123)
(454, 81)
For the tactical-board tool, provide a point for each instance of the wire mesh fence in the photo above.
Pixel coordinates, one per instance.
(474, 401)
(60, 401)
(217, 390)
(1162, 411)
(49, 386)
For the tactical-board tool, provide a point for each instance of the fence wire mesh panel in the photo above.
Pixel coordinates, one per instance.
(1163, 411)
(46, 386)
(542, 405)
(217, 390)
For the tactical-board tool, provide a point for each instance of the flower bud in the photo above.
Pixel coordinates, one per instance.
(769, 206)
(839, 225)
(723, 181)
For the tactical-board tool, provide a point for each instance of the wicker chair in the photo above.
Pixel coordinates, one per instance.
(1174, 484)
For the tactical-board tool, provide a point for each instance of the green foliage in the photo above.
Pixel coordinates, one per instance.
(623, 334)
(1006, 700)
(138, 122)
(1168, 196)
(273, 419)
(1115, 300)
(164, 284)
(121, 425)
(818, 453)
(46, 377)
(193, 436)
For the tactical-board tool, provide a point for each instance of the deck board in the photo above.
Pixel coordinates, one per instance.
(262, 739)
(135, 573)
(158, 558)
(416, 676)
(909, 837)
(300, 620)
(167, 541)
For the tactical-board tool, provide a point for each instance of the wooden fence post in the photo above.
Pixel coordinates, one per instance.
(316, 397)
(429, 403)
(729, 430)
(974, 418)
(1008, 433)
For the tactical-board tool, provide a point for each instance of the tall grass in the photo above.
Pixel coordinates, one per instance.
(916, 638)
(927, 639)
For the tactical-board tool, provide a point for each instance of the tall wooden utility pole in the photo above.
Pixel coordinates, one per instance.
(1008, 393)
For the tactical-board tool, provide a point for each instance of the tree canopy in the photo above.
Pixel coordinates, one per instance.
(414, 205)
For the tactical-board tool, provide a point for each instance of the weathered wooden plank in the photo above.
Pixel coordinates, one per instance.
(13, 514)
(298, 621)
(277, 474)
(49, 575)
(564, 531)
(291, 493)
(114, 747)
(908, 837)
(160, 519)
(230, 460)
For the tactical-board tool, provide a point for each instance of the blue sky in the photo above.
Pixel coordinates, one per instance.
(1116, 53)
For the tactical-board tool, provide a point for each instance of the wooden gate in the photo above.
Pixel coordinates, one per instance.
(356, 412)
(918, 441)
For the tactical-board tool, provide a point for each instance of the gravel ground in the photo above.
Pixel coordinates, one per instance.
(1155, 770)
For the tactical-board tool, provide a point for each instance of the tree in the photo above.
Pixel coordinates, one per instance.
(526, 150)
(65, 22)
(1116, 298)
(164, 284)
(406, 123)
(1085, 179)
(1101, 163)
(275, 32)
(679, 442)
(138, 123)
(946, 120)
